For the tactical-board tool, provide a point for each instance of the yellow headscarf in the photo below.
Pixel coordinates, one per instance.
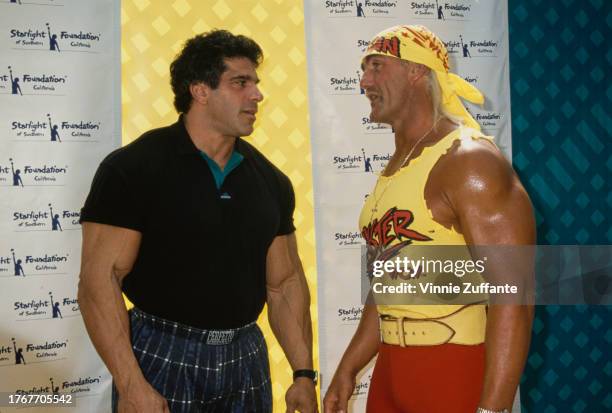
(418, 44)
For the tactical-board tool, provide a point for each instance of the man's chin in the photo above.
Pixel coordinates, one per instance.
(246, 131)
(375, 118)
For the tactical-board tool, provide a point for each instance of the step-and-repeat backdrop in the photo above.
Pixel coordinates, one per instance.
(60, 100)
(349, 150)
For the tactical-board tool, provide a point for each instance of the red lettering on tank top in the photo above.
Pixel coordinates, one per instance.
(394, 224)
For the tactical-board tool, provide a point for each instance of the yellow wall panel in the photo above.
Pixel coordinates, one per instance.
(154, 31)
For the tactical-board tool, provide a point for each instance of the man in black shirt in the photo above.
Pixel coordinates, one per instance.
(195, 226)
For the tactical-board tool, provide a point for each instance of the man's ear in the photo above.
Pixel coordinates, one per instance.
(417, 71)
(200, 92)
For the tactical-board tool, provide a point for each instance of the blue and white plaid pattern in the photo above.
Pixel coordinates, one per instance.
(196, 370)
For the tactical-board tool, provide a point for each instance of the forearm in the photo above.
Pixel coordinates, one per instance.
(507, 344)
(289, 317)
(106, 320)
(364, 344)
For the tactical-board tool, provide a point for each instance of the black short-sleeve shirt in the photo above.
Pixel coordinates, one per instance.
(202, 257)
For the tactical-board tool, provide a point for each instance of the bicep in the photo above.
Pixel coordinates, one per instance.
(501, 214)
(108, 249)
(504, 217)
(490, 203)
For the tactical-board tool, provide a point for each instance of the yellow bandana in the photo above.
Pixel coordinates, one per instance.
(419, 45)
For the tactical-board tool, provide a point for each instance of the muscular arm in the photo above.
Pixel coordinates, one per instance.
(288, 302)
(108, 255)
(492, 208)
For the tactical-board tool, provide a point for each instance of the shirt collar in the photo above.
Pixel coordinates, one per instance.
(185, 145)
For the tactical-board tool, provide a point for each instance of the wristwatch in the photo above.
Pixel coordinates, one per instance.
(481, 410)
(311, 374)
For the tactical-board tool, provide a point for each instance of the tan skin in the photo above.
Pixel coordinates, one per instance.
(215, 119)
(473, 189)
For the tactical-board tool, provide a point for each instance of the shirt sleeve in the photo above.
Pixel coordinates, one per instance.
(286, 206)
(112, 200)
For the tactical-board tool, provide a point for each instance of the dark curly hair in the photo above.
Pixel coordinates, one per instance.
(201, 60)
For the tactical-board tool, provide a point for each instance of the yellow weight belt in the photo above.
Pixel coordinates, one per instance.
(465, 326)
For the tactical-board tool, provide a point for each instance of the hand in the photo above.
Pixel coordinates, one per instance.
(302, 396)
(339, 392)
(141, 397)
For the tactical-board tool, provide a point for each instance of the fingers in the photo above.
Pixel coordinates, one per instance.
(303, 408)
(342, 404)
(330, 405)
(335, 404)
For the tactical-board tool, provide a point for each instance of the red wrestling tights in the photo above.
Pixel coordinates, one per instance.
(429, 379)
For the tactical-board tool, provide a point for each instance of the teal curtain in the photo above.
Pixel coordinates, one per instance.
(560, 73)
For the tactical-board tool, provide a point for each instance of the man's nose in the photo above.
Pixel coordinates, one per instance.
(366, 80)
(257, 95)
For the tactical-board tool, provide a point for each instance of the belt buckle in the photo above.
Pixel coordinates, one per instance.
(400, 331)
(220, 337)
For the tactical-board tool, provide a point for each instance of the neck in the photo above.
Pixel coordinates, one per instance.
(217, 146)
(425, 127)
(412, 127)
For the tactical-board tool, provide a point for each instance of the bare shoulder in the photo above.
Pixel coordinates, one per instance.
(488, 202)
(475, 166)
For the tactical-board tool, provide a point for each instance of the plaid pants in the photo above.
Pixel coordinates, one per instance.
(224, 371)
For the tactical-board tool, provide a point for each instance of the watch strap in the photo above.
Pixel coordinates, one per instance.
(311, 374)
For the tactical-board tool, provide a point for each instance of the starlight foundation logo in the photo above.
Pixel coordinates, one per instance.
(441, 10)
(32, 175)
(64, 390)
(19, 83)
(53, 129)
(370, 127)
(70, 385)
(472, 47)
(349, 315)
(46, 220)
(46, 388)
(362, 388)
(49, 38)
(361, 8)
(24, 352)
(364, 162)
(348, 84)
(362, 45)
(86, 384)
(53, 307)
(50, 387)
(23, 265)
(489, 120)
(350, 239)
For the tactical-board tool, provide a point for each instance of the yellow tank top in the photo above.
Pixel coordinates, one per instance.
(396, 212)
